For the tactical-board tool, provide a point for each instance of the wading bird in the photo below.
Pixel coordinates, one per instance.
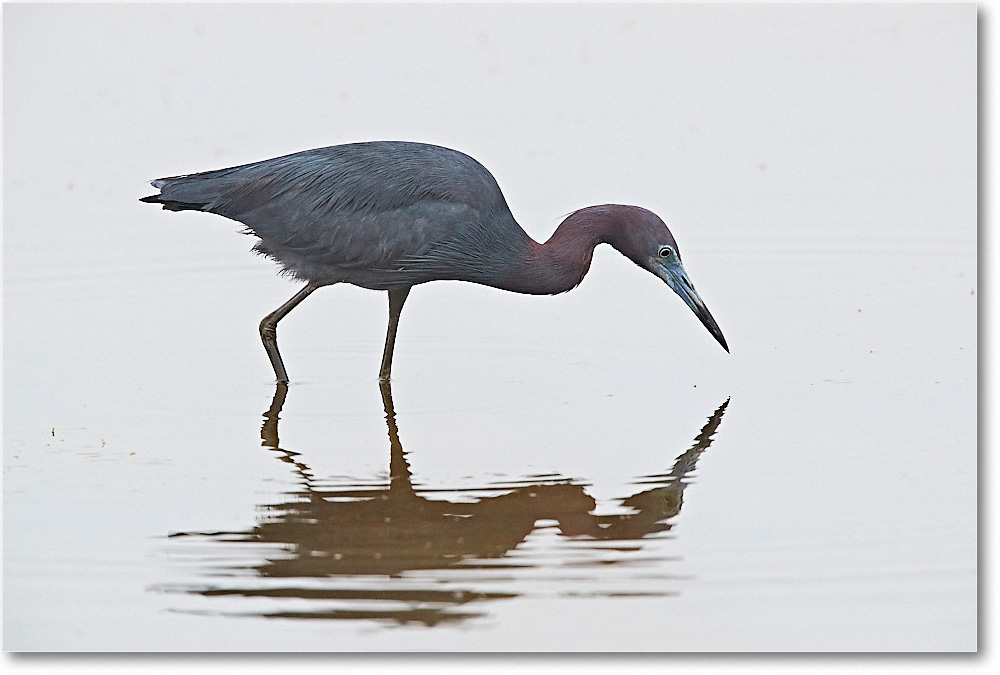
(388, 215)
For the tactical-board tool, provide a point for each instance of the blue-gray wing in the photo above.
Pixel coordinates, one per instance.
(338, 213)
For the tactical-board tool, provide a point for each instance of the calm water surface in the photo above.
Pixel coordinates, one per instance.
(160, 493)
(583, 472)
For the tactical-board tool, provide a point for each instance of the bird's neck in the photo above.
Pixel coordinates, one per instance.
(560, 263)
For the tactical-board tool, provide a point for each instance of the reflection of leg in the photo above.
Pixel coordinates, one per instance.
(269, 435)
(396, 299)
(399, 468)
(269, 430)
(269, 330)
(386, 388)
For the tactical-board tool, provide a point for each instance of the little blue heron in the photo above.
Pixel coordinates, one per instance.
(387, 215)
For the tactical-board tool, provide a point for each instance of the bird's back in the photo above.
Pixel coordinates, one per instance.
(380, 214)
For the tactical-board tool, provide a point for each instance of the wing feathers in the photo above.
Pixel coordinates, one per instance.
(349, 207)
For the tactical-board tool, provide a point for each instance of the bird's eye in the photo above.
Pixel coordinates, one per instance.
(665, 252)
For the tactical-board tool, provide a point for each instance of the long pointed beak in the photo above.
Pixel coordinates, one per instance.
(677, 278)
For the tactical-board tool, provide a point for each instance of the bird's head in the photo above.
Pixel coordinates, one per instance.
(645, 239)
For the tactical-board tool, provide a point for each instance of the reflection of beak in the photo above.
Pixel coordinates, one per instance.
(677, 279)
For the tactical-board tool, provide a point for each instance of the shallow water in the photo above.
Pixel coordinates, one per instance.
(583, 472)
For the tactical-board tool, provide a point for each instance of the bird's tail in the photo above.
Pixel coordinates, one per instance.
(193, 192)
(172, 205)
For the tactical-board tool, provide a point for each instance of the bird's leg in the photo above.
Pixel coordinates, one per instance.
(396, 299)
(269, 330)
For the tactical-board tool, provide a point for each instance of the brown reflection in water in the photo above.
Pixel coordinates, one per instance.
(383, 533)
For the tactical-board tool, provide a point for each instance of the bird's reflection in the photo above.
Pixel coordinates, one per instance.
(380, 540)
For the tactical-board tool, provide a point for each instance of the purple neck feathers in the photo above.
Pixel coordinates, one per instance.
(560, 264)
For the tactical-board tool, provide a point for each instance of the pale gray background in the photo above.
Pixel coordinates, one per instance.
(816, 163)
